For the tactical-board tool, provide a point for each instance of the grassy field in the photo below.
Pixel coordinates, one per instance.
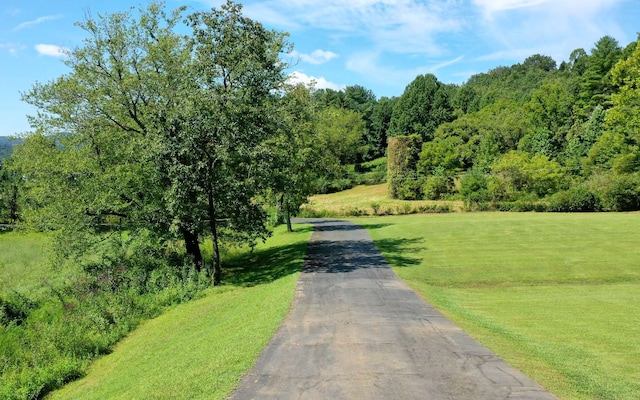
(23, 261)
(199, 350)
(361, 199)
(556, 295)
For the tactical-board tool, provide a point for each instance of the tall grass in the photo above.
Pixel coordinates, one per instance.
(556, 295)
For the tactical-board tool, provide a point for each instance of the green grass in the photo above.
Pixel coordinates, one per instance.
(24, 261)
(556, 295)
(363, 197)
(200, 350)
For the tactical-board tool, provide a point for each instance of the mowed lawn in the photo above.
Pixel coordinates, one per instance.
(556, 295)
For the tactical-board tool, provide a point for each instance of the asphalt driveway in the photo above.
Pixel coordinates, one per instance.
(356, 331)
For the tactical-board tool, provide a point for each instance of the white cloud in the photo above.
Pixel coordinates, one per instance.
(51, 50)
(491, 6)
(317, 82)
(557, 6)
(316, 57)
(37, 21)
(516, 29)
(400, 26)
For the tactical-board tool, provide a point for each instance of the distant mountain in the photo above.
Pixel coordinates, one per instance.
(6, 146)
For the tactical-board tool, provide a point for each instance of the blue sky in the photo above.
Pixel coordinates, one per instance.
(379, 44)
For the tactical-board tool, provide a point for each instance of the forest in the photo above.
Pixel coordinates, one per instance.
(160, 151)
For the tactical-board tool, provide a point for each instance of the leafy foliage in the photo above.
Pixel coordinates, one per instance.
(425, 104)
(401, 163)
(532, 129)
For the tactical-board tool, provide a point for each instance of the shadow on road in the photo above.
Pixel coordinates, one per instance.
(326, 225)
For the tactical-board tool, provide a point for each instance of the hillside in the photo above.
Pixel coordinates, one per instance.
(6, 146)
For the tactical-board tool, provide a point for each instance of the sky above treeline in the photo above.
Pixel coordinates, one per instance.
(379, 44)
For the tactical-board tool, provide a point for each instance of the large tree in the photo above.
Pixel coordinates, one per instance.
(296, 153)
(425, 104)
(159, 129)
(597, 85)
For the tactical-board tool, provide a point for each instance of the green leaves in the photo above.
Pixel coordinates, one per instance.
(156, 129)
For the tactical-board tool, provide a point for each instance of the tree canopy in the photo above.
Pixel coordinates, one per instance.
(158, 130)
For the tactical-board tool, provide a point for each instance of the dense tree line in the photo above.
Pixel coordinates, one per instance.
(530, 135)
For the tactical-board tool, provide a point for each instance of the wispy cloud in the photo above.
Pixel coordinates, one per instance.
(516, 29)
(12, 48)
(491, 6)
(407, 26)
(316, 57)
(318, 82)
(51, 50)
(37, 21)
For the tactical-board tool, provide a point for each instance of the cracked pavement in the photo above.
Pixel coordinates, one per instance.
(356, 331)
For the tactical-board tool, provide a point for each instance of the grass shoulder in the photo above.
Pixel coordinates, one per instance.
(556, 295)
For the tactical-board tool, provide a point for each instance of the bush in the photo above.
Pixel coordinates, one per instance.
(371, 178)
(474, 187)
(522, 205)
(15, 308)
(437, 186)
(576, 199)
(616, 192)
(410, 189)
(375, 207)
(434, 208)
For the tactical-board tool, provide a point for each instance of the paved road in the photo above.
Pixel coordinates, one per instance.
(356, 331)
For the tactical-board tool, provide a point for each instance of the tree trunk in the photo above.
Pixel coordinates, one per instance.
(215, 261)
(279, 210)
(287, 216)
(193, 247)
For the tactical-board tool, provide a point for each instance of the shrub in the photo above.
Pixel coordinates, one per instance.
(404, 208)
(437, 185)
(575, 199)
(474, 187)
(375, 207)
(410, 189)
(46, 344)
(15, 308)
(434, 208)
(521, 205)
(616, 192)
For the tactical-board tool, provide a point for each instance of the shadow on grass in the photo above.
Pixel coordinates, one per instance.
(400, 252)
(265, 265)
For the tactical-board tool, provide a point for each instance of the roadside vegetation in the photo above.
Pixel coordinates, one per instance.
(52, 329)
(201, 349)
(556, 295)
